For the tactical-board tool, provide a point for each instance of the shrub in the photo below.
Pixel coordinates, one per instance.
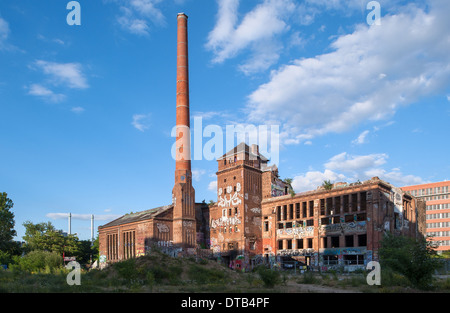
(204, 275)
(269, 277)
(409, 257)
(308, 278)
(37, 260)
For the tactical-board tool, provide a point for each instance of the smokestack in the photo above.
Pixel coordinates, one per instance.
(183, 194)
(183, 142)
(70, 223)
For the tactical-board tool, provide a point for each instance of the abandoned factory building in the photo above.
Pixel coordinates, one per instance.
(258, 217)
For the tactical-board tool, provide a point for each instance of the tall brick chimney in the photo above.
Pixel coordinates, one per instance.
(183, 194)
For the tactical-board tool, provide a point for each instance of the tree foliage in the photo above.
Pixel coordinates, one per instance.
(7, 231)
(44, 236)
(410, 257)
(327, 184)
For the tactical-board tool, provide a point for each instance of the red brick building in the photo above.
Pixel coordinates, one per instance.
(257, 217)
(243, 181)
(437, 197)
(342, 226)
(172, 225)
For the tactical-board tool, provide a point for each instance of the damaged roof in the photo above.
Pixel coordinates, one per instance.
(243, 147)
(138, 216)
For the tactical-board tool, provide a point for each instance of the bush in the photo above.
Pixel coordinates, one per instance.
(204, 275)
(409, 257)
(36, 261)
(269, 277)
(308, 278)
(126, 269)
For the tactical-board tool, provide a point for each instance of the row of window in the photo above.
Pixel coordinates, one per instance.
(128, 245)
(353, 259)
(324, 221)
(429, 191)
(441, 206)
(438, 225)
(440, 197)
(439, 234)
(329, 206)
(442, 243)
(327, 242)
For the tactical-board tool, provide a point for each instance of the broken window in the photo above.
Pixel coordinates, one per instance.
(349, 218)
(361, 217)
(363, 201)
(280, 244)
(356, 259)
(337, 205)
(362, 240)
(289, 244)
(309, 242)
(349, 241)
(304, 209)
(266, 226)
(299, 243)
(335, 242)
(330, 260)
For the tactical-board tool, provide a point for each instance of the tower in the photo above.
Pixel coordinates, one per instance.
(236, 220)
(183, 194)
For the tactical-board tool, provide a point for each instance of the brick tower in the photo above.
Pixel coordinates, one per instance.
(183, 194)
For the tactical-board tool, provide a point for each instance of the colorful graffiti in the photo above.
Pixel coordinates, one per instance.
(352, 227)
(225, 221)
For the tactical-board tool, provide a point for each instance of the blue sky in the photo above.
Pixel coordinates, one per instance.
(87, 111)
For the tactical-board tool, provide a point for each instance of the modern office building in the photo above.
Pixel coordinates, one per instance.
(437, 197)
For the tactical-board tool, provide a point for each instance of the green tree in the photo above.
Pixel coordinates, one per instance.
(410, 257)
(7, 231)
(8, 247)
(44, 236)
(327, 184)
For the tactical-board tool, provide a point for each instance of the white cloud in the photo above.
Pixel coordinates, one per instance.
(350, 168)
(361, 138)
(257, 31)
(67, 74)
(141, 121)
(212, 186)
(137, 14)
(77, 110)
(368, 75)
(197, 174)
(312, 179)
(4, 32)
(351, 163)
(43, 92)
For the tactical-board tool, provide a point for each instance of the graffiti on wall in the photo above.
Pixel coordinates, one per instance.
(301, 232)
(162, 228)
(234, 199)
(225, 221)
(352, 227)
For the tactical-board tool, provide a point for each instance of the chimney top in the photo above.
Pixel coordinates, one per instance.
(182, 15)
